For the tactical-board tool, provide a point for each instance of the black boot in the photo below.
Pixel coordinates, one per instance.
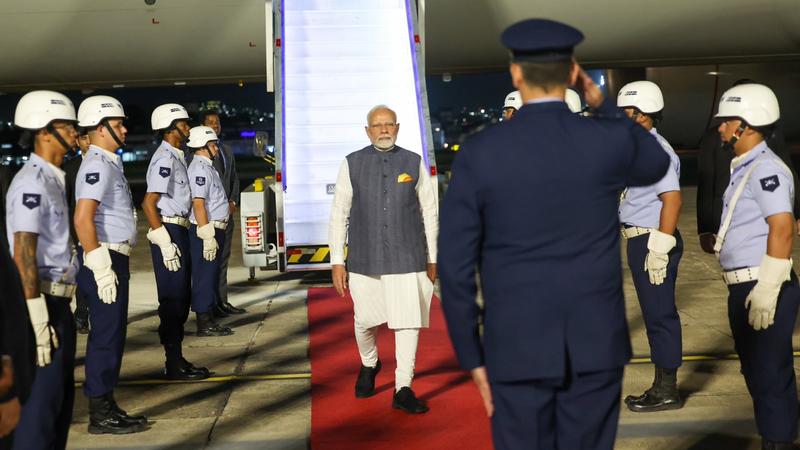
(405, 400)
(141, 420)
(181, 369)
(103, 419)
(207, 326)
(365, 383)
(766, 444)
(219, 312)
(662, 396)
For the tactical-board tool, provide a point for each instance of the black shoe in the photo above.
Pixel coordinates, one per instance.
(103, 419)
(207, 326)
(82, 325)
(766, 444)
(184, 370)
(219, 312)
(365, 383)
(405, 400)
(230, 309)
(662, 396)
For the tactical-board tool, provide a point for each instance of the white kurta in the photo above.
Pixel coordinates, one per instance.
(400, 300)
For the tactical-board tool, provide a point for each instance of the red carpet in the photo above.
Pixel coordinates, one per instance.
(456, 419)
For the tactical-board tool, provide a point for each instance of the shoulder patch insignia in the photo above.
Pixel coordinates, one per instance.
(200, 180)
(164, 171)
(93, 177)
(31, 200)
(770, 183)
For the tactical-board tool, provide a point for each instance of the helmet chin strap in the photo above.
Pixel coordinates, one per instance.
(105, 123)
(728, 145)
(52, 130)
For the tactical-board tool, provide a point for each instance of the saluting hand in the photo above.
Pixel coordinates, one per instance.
(591, 92)
(339, 274)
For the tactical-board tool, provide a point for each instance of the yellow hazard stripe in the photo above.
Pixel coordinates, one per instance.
(320, 255)
(293, 259)
(220, 379)
(690, 358)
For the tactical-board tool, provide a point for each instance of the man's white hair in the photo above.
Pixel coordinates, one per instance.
(377, 108)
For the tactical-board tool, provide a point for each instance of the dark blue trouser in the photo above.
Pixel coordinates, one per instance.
(46, 416)
(659, 312)
(109, 326)
(767, 361)
(174, 288)
(223, 263)
(579, 413)
(205, 274)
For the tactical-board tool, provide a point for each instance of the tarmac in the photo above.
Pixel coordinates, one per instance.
(259, 397)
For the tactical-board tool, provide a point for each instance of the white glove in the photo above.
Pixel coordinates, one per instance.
(169, 250)
(763, 299)
(99, 262)
(206, 233)
(46, 339)
(655, 263)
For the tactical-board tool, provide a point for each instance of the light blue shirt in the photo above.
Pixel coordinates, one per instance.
(206, 184)
(167, 175)
(36, 203)
(769, 191)
(101, 178)
(641, 206)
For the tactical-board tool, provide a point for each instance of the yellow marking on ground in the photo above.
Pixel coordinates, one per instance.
(220, 379)
(320, 254)
(690, 358)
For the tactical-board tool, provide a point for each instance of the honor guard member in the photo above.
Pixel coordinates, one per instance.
(105, 222)
(649, 218)
(511, 105)
(385, 210)
(38, 237)
(226, 166)
(209, 218)
(754, 245)
(550, 360)
(166, 205)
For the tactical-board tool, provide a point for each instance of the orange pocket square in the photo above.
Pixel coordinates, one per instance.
(404, 178)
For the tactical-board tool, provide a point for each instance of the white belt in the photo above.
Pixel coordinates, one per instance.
(57, 289)
(220, 224)
(177, 220)
(632, 232)
(123, 248)
(741, 275)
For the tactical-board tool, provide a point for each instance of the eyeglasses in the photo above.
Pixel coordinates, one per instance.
(376, 126)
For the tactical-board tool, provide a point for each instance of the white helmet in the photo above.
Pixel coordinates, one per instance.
(98, 107)
(573, 101)
(513, 100)
(200, 136)
(642, 95)
(755, 104)
(37, 109)
(165, 115)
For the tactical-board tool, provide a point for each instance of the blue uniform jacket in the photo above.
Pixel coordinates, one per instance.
(532, 205)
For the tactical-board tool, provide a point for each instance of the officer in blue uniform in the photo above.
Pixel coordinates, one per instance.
(649, 218)
(166, 205)
(209, 219)
(533, 203)
(105, 222)
(754, 245)
(38, 237)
